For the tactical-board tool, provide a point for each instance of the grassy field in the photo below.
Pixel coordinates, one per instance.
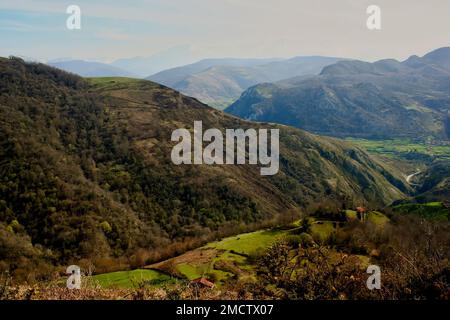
(351, 214)
(402, 148)
(224, 259)
(322, 230)
(377, 218)
(109, 82)
(192, 271)
(248, 243)
(229, 258)
(130, 279)
(433, 210)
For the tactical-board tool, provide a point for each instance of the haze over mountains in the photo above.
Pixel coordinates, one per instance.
(218, 82)
(324, 95)
(144, 66)
(135, 67)
(141, 67)
(384, 99)
(91, 69)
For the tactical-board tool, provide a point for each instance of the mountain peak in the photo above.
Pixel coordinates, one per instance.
(348, 67)
(441, 52)
(439, 56)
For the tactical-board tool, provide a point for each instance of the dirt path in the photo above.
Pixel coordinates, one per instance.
(408, 178)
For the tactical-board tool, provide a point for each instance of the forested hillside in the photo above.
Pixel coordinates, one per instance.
(85, 173)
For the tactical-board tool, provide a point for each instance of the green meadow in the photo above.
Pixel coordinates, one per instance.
(230, 258)
(430, 210)
(248, 243)
(130, 279)
(402, 148)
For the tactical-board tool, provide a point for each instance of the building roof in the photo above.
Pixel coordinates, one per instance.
(204, 281)
(361, 209)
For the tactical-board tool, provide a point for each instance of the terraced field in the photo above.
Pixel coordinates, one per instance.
(224, 259)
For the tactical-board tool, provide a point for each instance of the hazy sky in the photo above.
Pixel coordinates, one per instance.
(223, 28)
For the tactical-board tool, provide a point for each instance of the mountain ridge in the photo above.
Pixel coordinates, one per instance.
(384, 99)
(91, 69)
(218, 82)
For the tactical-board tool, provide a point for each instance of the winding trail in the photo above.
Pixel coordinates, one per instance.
(408, 178)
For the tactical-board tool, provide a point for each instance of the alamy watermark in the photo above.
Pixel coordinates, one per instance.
(73, 22)
(235, 147)
(374, 20)
(374, 280)
(74, 280)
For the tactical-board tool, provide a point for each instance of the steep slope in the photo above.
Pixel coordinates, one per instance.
(91, 69)
(385, 99)
(218, 82)
(85, 170)
(434, 183)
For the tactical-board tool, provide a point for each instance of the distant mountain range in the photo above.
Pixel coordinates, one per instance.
(175, 75)
(135, 67)
(91, 69)
(384, 99)
(147, 65)
(219, 82)
(216, 82)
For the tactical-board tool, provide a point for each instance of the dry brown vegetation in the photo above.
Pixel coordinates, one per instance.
(183, 291)
(413, 255)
